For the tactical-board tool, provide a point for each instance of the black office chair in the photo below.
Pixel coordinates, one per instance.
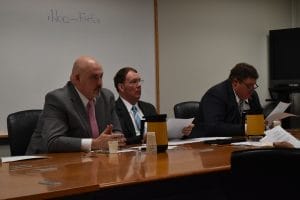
(265, 174)
(20, 127)
(187, 109)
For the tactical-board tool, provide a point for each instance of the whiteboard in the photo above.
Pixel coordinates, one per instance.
(39, 41)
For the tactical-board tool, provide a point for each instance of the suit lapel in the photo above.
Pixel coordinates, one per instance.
(232, 101)
(100, 115)
(142, 107)
(80, 109)
(124, 114)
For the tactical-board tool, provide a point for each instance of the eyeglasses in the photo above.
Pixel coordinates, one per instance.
(136, 82)
(250, 87)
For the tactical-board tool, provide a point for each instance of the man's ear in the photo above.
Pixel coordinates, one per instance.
(76, 77)
(121, 87)
(235, 82)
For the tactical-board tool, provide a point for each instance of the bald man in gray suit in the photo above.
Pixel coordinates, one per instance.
(64, 125)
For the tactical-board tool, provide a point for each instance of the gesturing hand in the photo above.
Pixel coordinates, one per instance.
(101, 142)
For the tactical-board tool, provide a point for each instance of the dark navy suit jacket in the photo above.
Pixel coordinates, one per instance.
(218, 113)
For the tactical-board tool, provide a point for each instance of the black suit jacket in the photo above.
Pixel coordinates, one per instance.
(126, 122)
(218, 113)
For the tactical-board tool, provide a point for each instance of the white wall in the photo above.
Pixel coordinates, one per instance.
(39, 41)
(201, 40)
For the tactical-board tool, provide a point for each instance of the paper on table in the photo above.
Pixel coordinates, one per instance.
(253, 143)
(278, 134)
(17, 158)
(278, 113)
(175, 126)
(144, 146)
(194, 140)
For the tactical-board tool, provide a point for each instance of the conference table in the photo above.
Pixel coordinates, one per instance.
(185, 170)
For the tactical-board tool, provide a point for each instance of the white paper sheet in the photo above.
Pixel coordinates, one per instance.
(144, 147)
(278, 134)
(280, 108)
(279, 116)
(17, 158)
(253, 143)
(278, 113)
(193, 140)
(175, 126)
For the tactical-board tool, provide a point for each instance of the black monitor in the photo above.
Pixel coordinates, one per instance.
(284, 57)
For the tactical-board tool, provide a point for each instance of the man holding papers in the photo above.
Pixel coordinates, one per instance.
(129, 108)
(223, 106)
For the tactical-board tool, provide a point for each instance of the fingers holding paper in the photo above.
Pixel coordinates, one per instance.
(188, 129)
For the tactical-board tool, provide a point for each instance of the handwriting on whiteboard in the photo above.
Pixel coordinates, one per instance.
(79, 17)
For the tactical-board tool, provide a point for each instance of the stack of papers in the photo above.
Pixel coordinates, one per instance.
(276, 134)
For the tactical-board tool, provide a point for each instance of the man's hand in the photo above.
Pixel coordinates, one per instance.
(101, 142)
(187, 130)
(283, 144)
(120, 137)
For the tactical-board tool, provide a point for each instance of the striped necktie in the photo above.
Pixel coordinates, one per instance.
(241, 106)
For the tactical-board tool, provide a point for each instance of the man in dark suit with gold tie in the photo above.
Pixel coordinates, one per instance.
(222, 106)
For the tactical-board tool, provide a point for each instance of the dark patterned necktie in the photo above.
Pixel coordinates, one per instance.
(241, 106)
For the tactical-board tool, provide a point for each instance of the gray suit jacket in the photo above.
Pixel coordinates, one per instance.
(64, 120)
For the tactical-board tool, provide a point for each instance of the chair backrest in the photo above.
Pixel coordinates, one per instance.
(20, 127)
(187, 109)
(265, 173)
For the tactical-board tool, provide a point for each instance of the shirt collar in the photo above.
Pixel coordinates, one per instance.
(83, 98)
(129, 105)
(237, 98)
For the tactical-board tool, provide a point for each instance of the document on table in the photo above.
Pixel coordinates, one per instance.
(175, 126)
(253, 143)
(143, 147)
(278, 134)
(17, 158)
(278, 113)
(194, 140)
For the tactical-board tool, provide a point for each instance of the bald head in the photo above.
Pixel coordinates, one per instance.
(82, 64)
(87, 76)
